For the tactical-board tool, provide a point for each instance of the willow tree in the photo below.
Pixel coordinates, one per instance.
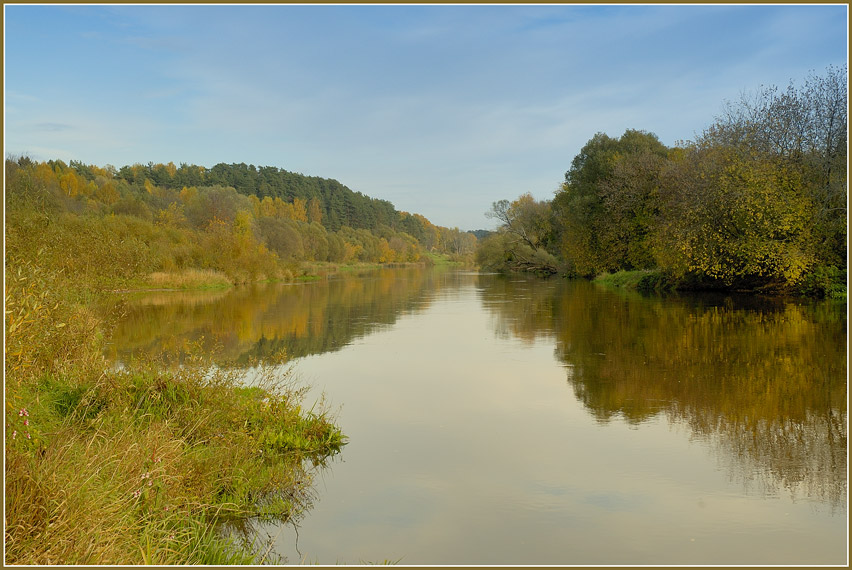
(524, 239)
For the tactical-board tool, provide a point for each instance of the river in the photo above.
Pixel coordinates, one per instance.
(513, 420)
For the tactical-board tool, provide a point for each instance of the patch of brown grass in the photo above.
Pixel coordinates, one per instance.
(190, 279)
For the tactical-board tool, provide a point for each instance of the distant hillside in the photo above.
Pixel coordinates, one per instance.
(240, 222)
(341, 206)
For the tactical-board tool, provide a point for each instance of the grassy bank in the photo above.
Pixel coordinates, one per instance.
(443, 259)
(148, 463)
(143, 464)
(314, 270)
(190, 279)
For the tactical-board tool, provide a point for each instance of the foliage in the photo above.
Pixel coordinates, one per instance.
(312, 198)
(824, 282)
(805, 128)
(143, 464)
(607, 204)
(735, 218)
(757, 202)
(523, 240)
(145, 221)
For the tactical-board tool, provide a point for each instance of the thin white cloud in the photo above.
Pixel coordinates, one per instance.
(444, 105)
(53, 127)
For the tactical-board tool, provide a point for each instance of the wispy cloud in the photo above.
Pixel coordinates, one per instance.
(444, 108)
(52, 127)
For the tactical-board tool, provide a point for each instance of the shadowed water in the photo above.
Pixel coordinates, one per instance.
(512, 420)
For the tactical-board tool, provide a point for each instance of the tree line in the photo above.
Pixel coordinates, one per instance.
(340, 206)
(245, 222)
(756, 202)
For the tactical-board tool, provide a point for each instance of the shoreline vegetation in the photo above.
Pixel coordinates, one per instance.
(756, 204)
(830, 285)
(199, 280)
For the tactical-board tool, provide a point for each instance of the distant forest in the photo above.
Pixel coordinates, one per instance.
(339, 205)
(243, 221)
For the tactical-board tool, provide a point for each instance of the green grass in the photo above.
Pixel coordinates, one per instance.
(143, 465)
(319, 270)
(443, 259)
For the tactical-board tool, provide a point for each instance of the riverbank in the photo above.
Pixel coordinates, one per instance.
(315, 270)
(822, 282)
(148, 463)
(208, 279)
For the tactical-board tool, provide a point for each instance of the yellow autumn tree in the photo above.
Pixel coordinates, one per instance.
(735, 217)
(283, 210)
(300, 212)
(69, 184)
(267, 207)
(386, 253)
(188, 194)
(44, 173)
(172, 216)
(315, 211)
(107, 193)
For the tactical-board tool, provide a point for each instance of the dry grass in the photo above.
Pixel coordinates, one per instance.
(143, 465)
(190, 279)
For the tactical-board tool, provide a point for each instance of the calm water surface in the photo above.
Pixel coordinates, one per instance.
(497, 420)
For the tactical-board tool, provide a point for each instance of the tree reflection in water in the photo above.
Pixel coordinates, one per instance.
(254, 322)
(762, 380)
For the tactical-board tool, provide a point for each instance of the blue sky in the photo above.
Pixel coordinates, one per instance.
(440, 109)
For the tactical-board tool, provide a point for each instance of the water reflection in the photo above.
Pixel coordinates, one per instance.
(763, 380)
(255, 322)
